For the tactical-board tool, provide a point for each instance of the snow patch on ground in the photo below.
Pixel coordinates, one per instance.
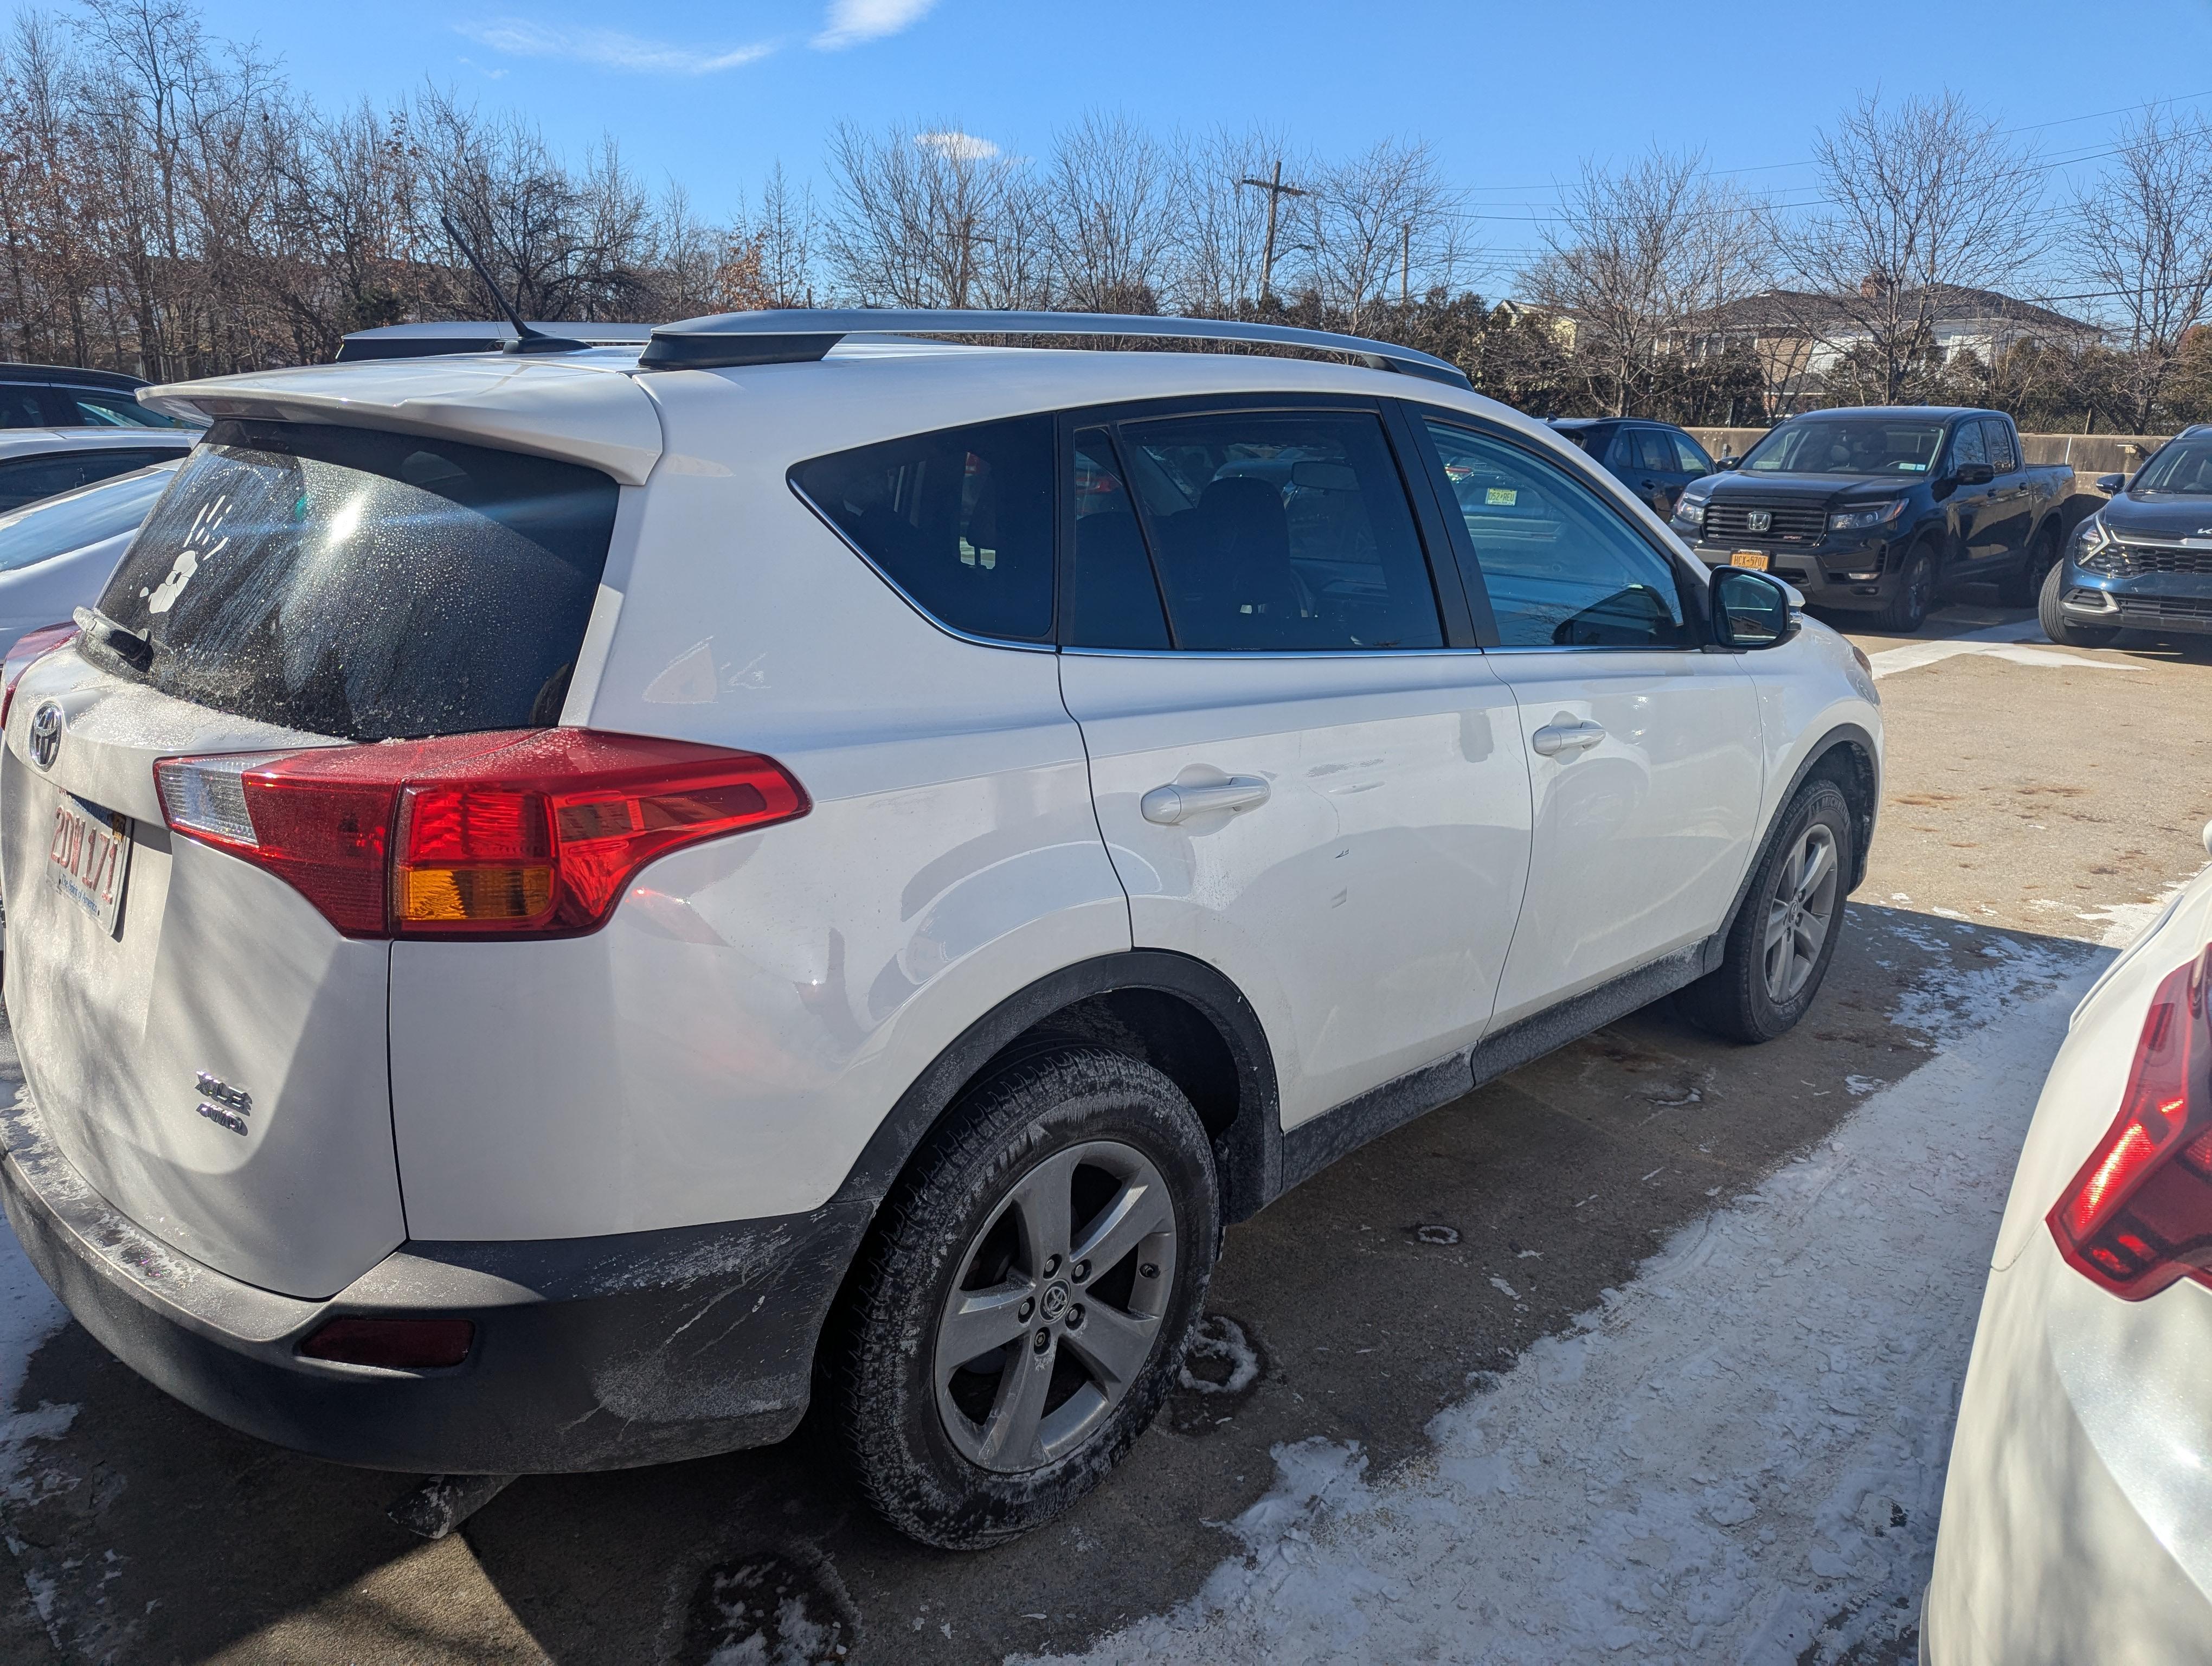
(29, 1314)
(1738, 1457)
(2121, 923)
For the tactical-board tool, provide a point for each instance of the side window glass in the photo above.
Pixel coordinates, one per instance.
(92, 408)
(22, 406)
(1653, 449)
(1562, 568)
(27, 480)
(1691, 456)
(1997, 436)
(1967, 445)
(1113, 599)
(961, 520)
(1620, 456)
(1281, 532)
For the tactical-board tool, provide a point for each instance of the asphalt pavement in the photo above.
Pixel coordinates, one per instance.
(2038, 800)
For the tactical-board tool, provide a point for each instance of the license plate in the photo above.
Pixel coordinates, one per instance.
(1749, 558)
(89, 859)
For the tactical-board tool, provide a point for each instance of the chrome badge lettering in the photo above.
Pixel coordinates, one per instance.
(44, 739)
(224, 1105)
(1758, 521)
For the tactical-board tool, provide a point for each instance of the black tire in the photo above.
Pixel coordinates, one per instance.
(961, 1208)
(1740, 999)
(2057, 626)
(1907, 610)
(2025, 588)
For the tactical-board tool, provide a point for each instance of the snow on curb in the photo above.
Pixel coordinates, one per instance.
(1738, 1457)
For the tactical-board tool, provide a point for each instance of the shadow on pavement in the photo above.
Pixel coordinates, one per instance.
(1368, 1299)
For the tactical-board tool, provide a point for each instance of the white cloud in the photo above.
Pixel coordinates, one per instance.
(610, 48)
(960, 147)
(852, 22)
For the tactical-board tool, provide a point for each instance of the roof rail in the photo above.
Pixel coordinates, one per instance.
(419, 341)
(799, 335)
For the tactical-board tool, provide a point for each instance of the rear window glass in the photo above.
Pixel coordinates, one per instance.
(93, 516)
(364, 584)
(961, 520)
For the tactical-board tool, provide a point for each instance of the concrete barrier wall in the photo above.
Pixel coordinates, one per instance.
(2090, 454)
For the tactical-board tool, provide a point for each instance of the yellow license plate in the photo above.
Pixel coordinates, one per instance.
(1749, 558)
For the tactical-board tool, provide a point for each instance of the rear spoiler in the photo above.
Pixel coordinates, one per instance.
(423, 341)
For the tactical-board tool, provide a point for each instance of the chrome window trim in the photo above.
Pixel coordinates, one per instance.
(899, 590)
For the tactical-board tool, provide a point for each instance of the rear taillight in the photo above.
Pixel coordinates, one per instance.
(29, 646)
(2139, 1214)
(532, 834)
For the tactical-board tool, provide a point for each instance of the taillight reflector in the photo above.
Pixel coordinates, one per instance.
(29, 646)
(396, 1344)
(2138, 1215)
(533, 833)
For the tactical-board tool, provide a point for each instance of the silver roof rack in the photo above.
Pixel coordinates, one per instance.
(418, 341)
(799, 335)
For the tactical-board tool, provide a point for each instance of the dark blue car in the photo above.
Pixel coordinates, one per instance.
(2144, 560)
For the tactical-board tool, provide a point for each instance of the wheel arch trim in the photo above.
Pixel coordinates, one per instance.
(1249, 1151)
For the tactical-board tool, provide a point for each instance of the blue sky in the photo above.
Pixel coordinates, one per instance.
(1511, 97)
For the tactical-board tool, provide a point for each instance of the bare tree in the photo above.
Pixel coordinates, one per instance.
(1919, 202)
(2143, 235)
(1222, 225)
(1111, 216)
(933, 218)
(1635, 253)
(1375, 222)
(786, 229)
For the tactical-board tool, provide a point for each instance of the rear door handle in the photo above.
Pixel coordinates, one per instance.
(1554, 739)
(1167, 806)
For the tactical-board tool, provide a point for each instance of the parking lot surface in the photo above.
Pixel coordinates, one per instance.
(2038, 804)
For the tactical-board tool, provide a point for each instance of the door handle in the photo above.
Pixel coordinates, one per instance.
(1169, 805)
(1554, 739)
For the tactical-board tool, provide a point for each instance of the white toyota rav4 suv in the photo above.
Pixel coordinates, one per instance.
(565, 903)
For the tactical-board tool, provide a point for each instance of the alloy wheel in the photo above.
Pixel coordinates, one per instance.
(1800, 913)
(1057, 1307)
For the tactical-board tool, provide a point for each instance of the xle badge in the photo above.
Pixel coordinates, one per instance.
(222, 1104)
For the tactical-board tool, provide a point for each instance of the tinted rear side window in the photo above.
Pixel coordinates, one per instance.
(365, 584)
(960, 520)
(27, 480)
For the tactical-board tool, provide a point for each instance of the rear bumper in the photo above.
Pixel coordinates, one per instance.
(589, 1353)
(2070, 1532)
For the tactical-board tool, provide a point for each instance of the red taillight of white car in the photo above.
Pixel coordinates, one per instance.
(2139, 1214)
(521, 834)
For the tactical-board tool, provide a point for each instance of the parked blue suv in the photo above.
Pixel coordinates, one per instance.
(2144, 560)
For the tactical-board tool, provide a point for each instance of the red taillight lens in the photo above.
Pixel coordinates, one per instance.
(29, 646)
(2139, 1214)
(529, 834)
(395, 1344)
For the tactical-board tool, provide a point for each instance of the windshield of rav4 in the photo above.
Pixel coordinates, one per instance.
(2184, 469)
(1846, 445)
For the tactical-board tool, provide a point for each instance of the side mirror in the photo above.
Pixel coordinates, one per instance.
(1974, 474)
(1751, 609)
(2110, 484)
(1726, 460)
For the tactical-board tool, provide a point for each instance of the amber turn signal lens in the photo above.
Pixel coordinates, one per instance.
(487, 895)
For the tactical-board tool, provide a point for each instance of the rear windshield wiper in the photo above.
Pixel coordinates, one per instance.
(127, 645)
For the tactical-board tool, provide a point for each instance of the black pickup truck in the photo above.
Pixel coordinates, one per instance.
(1880, 508)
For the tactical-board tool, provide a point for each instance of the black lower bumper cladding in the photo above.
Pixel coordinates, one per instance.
(587, 1353)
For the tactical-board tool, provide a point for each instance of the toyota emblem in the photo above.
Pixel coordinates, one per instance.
(1758, 521)
(45, 738)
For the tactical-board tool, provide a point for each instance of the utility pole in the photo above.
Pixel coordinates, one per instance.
(1405, 264)
(1276, 190)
